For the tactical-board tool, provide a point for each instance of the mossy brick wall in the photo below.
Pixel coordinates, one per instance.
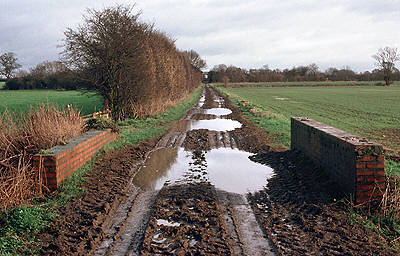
(61, 161)
(355, 164)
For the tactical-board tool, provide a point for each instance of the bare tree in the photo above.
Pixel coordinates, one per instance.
(312, 69)
(47, 68)
(195, 59)
(8, 65)
(385, 60)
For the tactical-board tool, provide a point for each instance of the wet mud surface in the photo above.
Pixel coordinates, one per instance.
(200, 189)
(300, 211)
(187, 221)
(197, 140)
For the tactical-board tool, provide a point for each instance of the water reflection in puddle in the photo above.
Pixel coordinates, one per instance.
(215, 124)
(227, 169)
(218, 111)
(162, 164)
(201, 101)
(162, 222)
(232, 170)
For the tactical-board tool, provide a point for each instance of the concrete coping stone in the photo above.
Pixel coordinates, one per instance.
(59, 149)
(340, 134)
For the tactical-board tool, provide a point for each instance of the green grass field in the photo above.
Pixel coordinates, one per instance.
(19, 101)
(368, 111)
(317, 83)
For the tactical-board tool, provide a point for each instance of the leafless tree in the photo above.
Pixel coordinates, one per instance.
(312, 70)
(385, 60)
(48, 68)
(195, 59)
(8, 64)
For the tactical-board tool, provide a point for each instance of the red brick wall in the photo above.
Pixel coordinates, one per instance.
(63, 160)
(355, 164)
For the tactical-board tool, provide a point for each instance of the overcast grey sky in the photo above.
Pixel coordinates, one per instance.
(249, 33)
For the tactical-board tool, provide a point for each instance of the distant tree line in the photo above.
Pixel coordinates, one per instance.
(46, 75)
(224, 73)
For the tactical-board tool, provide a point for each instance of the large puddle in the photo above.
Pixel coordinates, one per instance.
(227, 169)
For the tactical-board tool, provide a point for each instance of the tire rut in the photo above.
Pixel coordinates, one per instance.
(189, 216)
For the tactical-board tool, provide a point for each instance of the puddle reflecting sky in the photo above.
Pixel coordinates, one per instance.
(215, 124)
(232, 170)
(218, 111)
(162, 165)
(228, 169)
(201, 101)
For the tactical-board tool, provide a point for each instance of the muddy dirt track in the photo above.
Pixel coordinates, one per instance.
(195, 191)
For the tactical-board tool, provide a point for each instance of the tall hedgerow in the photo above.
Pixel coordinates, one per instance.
(136, 68)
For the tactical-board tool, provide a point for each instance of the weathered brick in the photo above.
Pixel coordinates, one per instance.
(361, 194)
(374, 179)
(365, 172)
(64, 163)
(353, 163)
(376, 166)
(365, 187)
(360, 165)
(380, 159)
(361, 178)
(366, 158)
(379, 172)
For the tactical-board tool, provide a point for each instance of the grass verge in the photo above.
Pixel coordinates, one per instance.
(19, 226)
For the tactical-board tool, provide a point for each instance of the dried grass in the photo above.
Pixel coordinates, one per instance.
(389, 215)
(22, 136)
(390, 204)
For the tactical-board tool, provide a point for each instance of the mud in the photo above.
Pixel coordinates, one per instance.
(303, 214)
(202, 116)
(197, 140)
(187, 221)
(196, 192)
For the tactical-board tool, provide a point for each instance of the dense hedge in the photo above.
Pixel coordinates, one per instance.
(136, 68)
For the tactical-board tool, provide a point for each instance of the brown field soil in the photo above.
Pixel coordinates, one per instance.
(298, 211)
